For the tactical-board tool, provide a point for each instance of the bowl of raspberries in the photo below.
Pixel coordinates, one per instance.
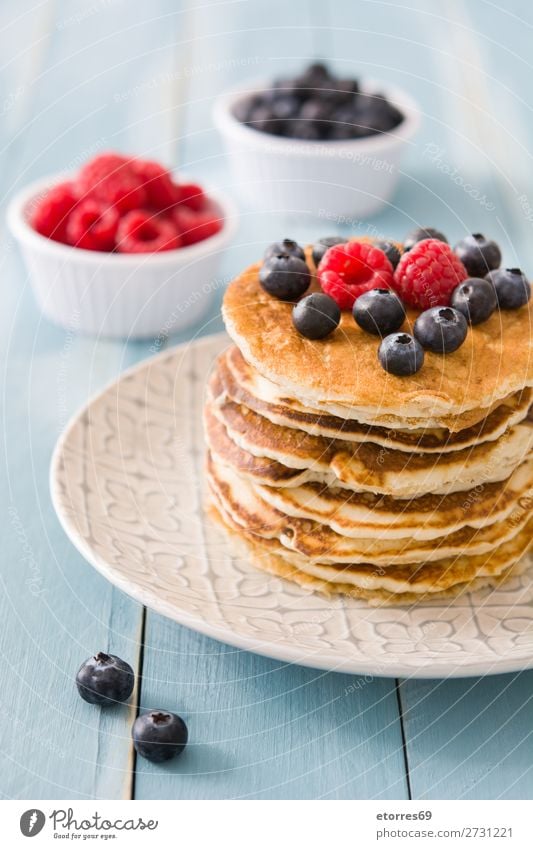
(122, 248)
(317, 142)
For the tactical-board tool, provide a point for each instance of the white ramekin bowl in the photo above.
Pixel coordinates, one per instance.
(119, 295)
(341, 180)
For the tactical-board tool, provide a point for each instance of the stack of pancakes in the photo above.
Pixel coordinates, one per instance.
(326, 470)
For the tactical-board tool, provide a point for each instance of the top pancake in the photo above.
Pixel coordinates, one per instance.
(495, 360)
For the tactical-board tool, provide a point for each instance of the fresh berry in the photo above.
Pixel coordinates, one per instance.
(316, 316)
(427, 274)
(191, 195)
(50, 214)
(286, 246)
(321, 245)
(379, 311)
(161, 192)
(284, 276)
(142, 232)
(420, 234)
(110, 178)
(196, 226)
(159, 735)
(475, 299)
(391, 252)
(346, 271)
(93, 226)
(105, 679)
(513, 289)
(317, 105)
(401, 354)
(441, 329)
(478, 254)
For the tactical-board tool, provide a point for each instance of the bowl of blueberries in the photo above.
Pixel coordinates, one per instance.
(316, 142)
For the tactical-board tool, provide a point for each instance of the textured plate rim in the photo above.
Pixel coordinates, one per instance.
(429, 669)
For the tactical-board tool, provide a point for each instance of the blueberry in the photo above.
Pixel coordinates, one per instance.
(512, 287)
(441, 329)
(478, 254)
(375, 114)
(286, 246)
(420, 234)
(475, 298)
(321, 245)
(316, 316)
(315, 110)
(304, 130)
(262, 118)
(284, 276)
(391, 252)
(159, 735)
(285, 106)
(105, 679)
(379, 311)
(401, 354)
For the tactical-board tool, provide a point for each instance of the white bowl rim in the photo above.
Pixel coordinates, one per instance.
(226, 121)
(25, 233)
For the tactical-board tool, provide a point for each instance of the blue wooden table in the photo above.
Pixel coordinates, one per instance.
(79, 77)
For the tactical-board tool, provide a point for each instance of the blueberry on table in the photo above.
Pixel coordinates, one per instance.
(478, 254)
(105, 679)
(321, 245)
(316, 105)
(286, 246)
(512, 287)
(475, 298)
(159, 735)
(420, 234)
(401, 354)
(284, 276)
(379, 311)
(316, 316)
(391, 252)
(441, 329)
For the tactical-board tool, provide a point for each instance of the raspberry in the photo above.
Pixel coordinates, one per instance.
(110, 178)
(427, 274)
(93, 226)
(192, 195)
(197, 226)
(142, 232)
(346, 271)
(49, 217)
(161, 192)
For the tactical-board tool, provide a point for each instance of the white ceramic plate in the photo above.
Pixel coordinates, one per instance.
(127, 481)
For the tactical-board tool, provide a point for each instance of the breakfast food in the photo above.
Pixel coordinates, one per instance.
(382, 450)
(316, 105)
(117, 203)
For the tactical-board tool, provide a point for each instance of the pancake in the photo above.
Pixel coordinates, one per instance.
(316, 541)
(366, 466)
(244, 385)
(268, 560)
(428, 517)
(332, 473)
(343, 368)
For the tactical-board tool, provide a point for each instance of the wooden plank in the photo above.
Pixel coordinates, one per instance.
(55, 609)
(259, 729)
(472, 739)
